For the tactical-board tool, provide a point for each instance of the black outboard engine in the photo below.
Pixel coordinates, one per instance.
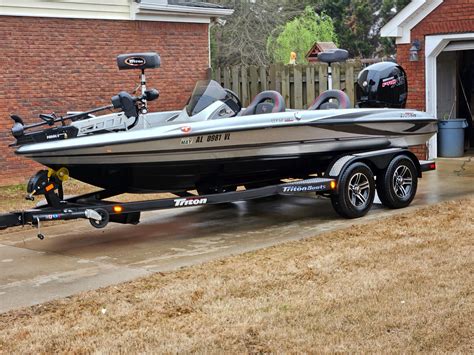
(382, 85)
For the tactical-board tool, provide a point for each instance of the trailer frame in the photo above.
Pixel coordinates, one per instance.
(100, 212)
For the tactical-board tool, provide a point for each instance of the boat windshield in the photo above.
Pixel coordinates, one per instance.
(205, 93)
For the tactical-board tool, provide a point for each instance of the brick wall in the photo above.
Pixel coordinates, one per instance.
(69, 64)
(452, 16)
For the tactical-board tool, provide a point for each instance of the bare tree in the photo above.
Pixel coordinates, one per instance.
(243, 37)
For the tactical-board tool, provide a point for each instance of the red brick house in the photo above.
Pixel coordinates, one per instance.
(435, 45)
(60, 56)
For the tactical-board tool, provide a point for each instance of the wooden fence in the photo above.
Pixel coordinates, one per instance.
(299, 84)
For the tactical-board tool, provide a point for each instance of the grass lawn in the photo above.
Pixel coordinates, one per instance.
(13, 197)
(401, 284)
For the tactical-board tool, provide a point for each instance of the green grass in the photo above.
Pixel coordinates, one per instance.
(12, 189)
(13, 197)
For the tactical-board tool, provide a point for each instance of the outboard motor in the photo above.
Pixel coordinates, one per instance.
(382, 85)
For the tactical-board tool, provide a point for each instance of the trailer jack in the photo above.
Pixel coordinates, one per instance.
(39, 235)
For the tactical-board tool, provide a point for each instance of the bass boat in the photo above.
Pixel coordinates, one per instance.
(213, 144)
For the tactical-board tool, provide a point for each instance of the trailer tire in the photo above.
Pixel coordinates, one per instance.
(397, 184)
(356, 191)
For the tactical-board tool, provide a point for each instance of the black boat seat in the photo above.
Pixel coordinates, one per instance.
(149, 60)
(260, 105)
(322, 102)
(333, 56)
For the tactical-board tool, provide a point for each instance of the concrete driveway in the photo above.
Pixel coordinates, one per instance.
(74, 257)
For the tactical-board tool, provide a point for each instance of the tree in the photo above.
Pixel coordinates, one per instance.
(299, 34)
(389, 9)
(358, 23)
(248, 35)
(242, 37)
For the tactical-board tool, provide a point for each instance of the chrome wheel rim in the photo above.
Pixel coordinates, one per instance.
(359, 190)
(402, 182)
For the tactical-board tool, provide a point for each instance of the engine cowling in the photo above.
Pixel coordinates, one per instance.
(382, 85)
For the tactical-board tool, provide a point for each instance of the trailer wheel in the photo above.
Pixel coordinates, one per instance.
(105, 219)
(356, 191)
(397, 184)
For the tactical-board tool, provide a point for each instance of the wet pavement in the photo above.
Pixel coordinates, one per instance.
(74, 257)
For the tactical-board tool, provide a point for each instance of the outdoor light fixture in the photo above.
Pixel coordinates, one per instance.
(415, 48)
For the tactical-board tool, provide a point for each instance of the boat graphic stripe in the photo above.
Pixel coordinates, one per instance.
(338, 123)
(219, 148)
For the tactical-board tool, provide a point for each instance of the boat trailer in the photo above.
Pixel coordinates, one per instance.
(349, 181)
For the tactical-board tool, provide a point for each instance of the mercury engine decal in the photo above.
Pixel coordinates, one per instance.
(182, 202)
(389, 82)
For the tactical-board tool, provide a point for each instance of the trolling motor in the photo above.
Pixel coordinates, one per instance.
(131, 105)
(49, 183)
(18, 129)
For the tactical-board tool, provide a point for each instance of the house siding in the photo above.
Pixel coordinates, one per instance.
(104, 9)
(452, 16)
(60, 65)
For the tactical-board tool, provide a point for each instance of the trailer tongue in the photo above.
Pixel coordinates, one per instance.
(100, 212)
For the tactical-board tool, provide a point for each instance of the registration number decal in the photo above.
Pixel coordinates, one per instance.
(213, 138)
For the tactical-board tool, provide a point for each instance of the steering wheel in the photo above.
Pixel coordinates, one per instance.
(234, 103)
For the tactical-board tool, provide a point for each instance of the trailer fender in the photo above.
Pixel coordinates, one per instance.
(377, 160)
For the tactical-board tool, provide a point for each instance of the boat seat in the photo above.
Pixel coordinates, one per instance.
(323, 102)
(148, 60)
(264, 107)
(260, 105)
(333, 56)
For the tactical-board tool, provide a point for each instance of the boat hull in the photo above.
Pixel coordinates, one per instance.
(189, 175)
(233, 152)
